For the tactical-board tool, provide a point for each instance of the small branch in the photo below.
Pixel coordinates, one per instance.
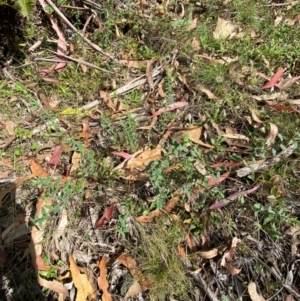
(81, 62)
(90, 105)
(242, 172)
(156, 73)
(283, 4)
(74, 7)
(93, 4)
(35, 46)
(55, 121)
(7, 142)
(96, 47)
(197, 277)
(87, 23)
(55, 60)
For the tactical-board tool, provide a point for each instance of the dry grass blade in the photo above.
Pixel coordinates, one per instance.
(82, 63)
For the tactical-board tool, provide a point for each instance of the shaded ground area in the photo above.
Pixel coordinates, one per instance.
(149, 151)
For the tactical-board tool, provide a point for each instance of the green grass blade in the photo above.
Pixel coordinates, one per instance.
(24, 7)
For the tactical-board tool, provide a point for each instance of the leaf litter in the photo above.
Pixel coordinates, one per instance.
(163, 143)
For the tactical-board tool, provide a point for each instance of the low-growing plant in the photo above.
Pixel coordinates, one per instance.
(160, 263)
(129, 207)
(271, 217)
(130, 133)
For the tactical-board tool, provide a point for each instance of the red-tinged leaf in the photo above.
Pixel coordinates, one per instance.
(106, 217)
(122, 154)
(212, 181)
(234, 196)
(61, 42)
(231, 198)
(45, 71)
(193, 196)
(274, 79)
(56, 155)
(282, 108)
(218, 205)
(50, 80)
(226, 164)
(171, 107)
(60, 66)
(296, 20)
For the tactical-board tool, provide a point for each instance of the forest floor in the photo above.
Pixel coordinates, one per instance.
(149, 151)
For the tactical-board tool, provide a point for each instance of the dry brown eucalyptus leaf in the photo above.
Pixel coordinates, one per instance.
(253, 293)
(84, 288)
(223, 29)
(133, 290)
(272, 134)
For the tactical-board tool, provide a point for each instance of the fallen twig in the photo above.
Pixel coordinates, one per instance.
(283, 4)
(82, 62)
(92, 4)
(144, 78)
(136, 82)
(55, 60)
(197, 277)
(90, 105)
(55, 121)
(7, 142)
(74, 7)
(96, 47)
(87, 23)
(278, 277)
(61, 42)
(242, 172)
(128, 87)
(286, 286)
(35, 46)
